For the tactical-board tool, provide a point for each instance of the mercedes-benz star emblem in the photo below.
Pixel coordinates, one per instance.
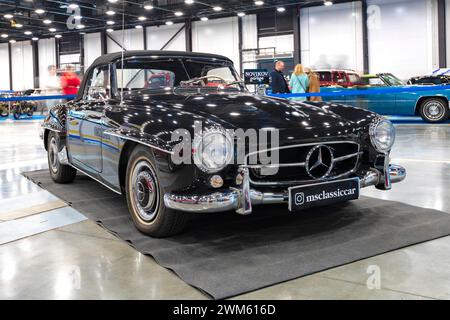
(319, 162)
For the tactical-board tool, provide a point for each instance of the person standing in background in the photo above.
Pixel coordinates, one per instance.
(277, 80)
(314, 85)
(52, 86)
(299, 82)
(70, 81)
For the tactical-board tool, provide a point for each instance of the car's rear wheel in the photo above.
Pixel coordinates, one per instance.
(60, 173)
(145, 197)
(434, 110)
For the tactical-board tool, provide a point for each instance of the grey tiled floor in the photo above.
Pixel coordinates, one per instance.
(83, 261)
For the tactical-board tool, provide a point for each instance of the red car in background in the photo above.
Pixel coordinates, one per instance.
(341, 78)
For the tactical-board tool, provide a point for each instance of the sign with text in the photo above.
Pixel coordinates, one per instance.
(256, 76)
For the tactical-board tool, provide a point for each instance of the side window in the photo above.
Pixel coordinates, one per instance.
(99, 84)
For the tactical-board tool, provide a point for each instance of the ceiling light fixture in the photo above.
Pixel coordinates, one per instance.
(169, 23)
(57, 36)
(52, 30)
(28, 33)
(8, 16)
(204, 18)
(259, 3)
(112, 1)
(110, 22)
(148, 5)
(80, 26)
(4, 35)
(35, 38)
(109, 30)
(138, 26)
(73, 6)
(142, 18)
(18, 25)
(281, 9)
(47, 21)
(217, 8)
(110, 12)
(12, 41)
(179, 13)
(39, 11)
(241, 14)
(328, 3)
(189, 1)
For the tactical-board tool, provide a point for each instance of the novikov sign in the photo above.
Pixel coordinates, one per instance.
(256, 76)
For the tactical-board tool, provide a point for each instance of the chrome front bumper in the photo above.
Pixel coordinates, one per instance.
(242, 199)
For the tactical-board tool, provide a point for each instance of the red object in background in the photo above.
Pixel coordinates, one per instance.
(342, 78)
(70, 83)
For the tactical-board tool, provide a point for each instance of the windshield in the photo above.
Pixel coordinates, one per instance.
(155, 76)
(391, 80)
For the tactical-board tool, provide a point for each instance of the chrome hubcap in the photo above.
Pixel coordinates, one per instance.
(53, 155)
(434, 110)
(145, 191)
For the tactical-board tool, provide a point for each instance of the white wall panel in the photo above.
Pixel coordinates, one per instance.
(158, 36)
(282, 44)
(92, 48)
(249, 32)
(219, 36)
(4, 66)
(402, 37)
(249, 40)
(132, 39)
(47, 57)
(22, 65)
(331, 37)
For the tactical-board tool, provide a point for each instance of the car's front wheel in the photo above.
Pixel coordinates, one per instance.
(59, 172)
(145, 197)
(434, 110)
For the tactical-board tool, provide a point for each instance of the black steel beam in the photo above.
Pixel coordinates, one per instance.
(35, 54)
(103, 42)
(365, 37)
(144, 35)
(57, 60)
(82, 59)
(442, 34)
(10, 67)
(240, 45)
(188, 34)
(296, 31)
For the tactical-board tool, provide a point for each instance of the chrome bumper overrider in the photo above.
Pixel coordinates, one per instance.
(241, 200)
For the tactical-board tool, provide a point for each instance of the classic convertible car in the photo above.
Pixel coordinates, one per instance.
(431, 105)
(119, 131)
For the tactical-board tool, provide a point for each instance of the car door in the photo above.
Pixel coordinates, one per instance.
(86, 122)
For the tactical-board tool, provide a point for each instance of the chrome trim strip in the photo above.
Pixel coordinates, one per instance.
(343, 158)
(230, 199)
(118, 135)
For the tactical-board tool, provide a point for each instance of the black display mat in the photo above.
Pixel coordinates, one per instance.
(226, 254)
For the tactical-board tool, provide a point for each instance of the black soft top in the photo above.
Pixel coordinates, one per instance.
(112, 57)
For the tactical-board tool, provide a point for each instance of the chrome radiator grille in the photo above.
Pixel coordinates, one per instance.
(306, 163)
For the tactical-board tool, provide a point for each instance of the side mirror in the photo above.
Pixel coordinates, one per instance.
(97, 93)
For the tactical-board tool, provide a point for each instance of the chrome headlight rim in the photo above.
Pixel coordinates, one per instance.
(375, 125)
(198, 153)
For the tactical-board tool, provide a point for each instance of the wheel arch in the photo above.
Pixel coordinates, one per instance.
(422, 99)
(125, 154)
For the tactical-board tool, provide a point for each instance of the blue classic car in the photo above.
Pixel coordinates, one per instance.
(431, 105)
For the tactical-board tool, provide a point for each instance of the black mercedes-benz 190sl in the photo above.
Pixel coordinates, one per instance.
(127, 129)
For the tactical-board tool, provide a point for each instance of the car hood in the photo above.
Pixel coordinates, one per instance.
(294, 120)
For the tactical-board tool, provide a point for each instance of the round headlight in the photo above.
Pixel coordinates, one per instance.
(382, 135)
(212, 151)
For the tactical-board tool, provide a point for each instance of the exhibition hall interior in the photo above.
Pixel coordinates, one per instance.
(239, 150)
